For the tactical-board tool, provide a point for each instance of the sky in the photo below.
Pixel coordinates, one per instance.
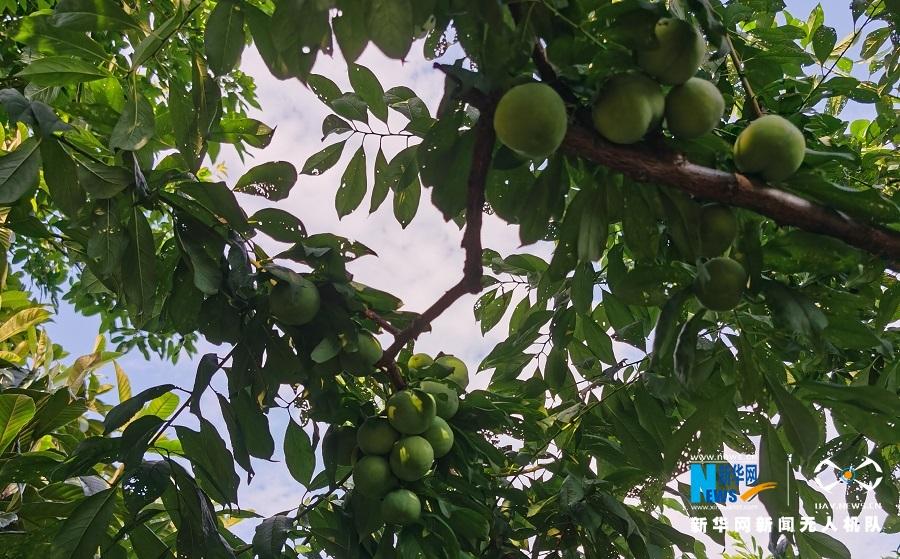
(418, 264)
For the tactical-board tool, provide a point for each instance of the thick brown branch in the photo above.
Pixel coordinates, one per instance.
(471, 243)
(733, 189)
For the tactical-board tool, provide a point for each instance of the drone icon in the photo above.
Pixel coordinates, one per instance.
(848, 475)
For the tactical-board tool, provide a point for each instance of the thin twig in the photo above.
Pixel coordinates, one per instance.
(382, 322)
(739, 67)
(471, 243)
(187, 401)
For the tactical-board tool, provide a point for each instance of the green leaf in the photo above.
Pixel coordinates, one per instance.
(491, 313)
(102, 181)
(162, 407)
(235, 130)
(60, 174)
(793, 311)
(123, 412)
(270, 536)
(593, 224)
(150, 45)
(136, 124)
(23, 321)
(350, 29)
(37, 32)
(651, 285)
(223, 40)
(19, 171)
(148, 545)
(352, 189)
(325, 89)
(868, 398)
(123, 384)
(139, 268)
(639, 225)
(83, 530)
(390, 26)
(206, 368)
(107, 242)
(254, 424)
(61, 70)
(350, 106)
(91, 15)
(382, 182)
(825, 545)
(686, 350)
(366, 84)
(406, 201)
(298, 453)
(279, 224)
(323, 160)
(212, 462)
(219, 201)
(582, 289)
(272, 180)
(15, 411)
(666, 330)
(333, 124)
(823, 41)
(799, 422)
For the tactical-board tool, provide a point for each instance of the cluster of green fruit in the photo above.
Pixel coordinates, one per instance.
(721, 280)
(401, 445)
(531, 118)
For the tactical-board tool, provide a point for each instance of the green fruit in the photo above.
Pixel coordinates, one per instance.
(693, 108)
(372, 476)
(369, 348)
(338, 444)
(295, 302)
(531, 119)
(376, 436)
(770, 146)
(419, 361)
(401, 507)
(627, 107)
(411, 458)
(411, 411)
(723, 289)
(445, 397)
(718, 228)
(678, 52)
(460, 373)
(439, 436)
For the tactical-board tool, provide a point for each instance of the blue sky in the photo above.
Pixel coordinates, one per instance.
(417, 264)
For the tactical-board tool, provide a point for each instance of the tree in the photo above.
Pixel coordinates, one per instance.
(111, 111)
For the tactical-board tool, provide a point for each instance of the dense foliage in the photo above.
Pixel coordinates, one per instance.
(110, 112)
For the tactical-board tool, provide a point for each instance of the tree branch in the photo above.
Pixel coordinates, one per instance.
(643, 164)
(733, 189)
(382, 322)
(471, 243)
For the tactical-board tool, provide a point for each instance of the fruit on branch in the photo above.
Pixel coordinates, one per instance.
(376, 436)
(411, 411)
(439, 436)
(369, 348)
(718, 228)
(693, 108)
(445, 398)
(411, 458)
(372, 476)
(295, 302)
(720, 284)
(401, 506)
(627, 106)
(770, 146)
(677, 54)
(460, 373)
(419, 362)
(531, 119)
(338, 444)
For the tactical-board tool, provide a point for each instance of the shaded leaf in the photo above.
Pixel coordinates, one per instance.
(272, 180)
(15, 411)
(82, 531)
(123, 412)
(298, 453)
(223, 39)
(19, 171)
(352, 189)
